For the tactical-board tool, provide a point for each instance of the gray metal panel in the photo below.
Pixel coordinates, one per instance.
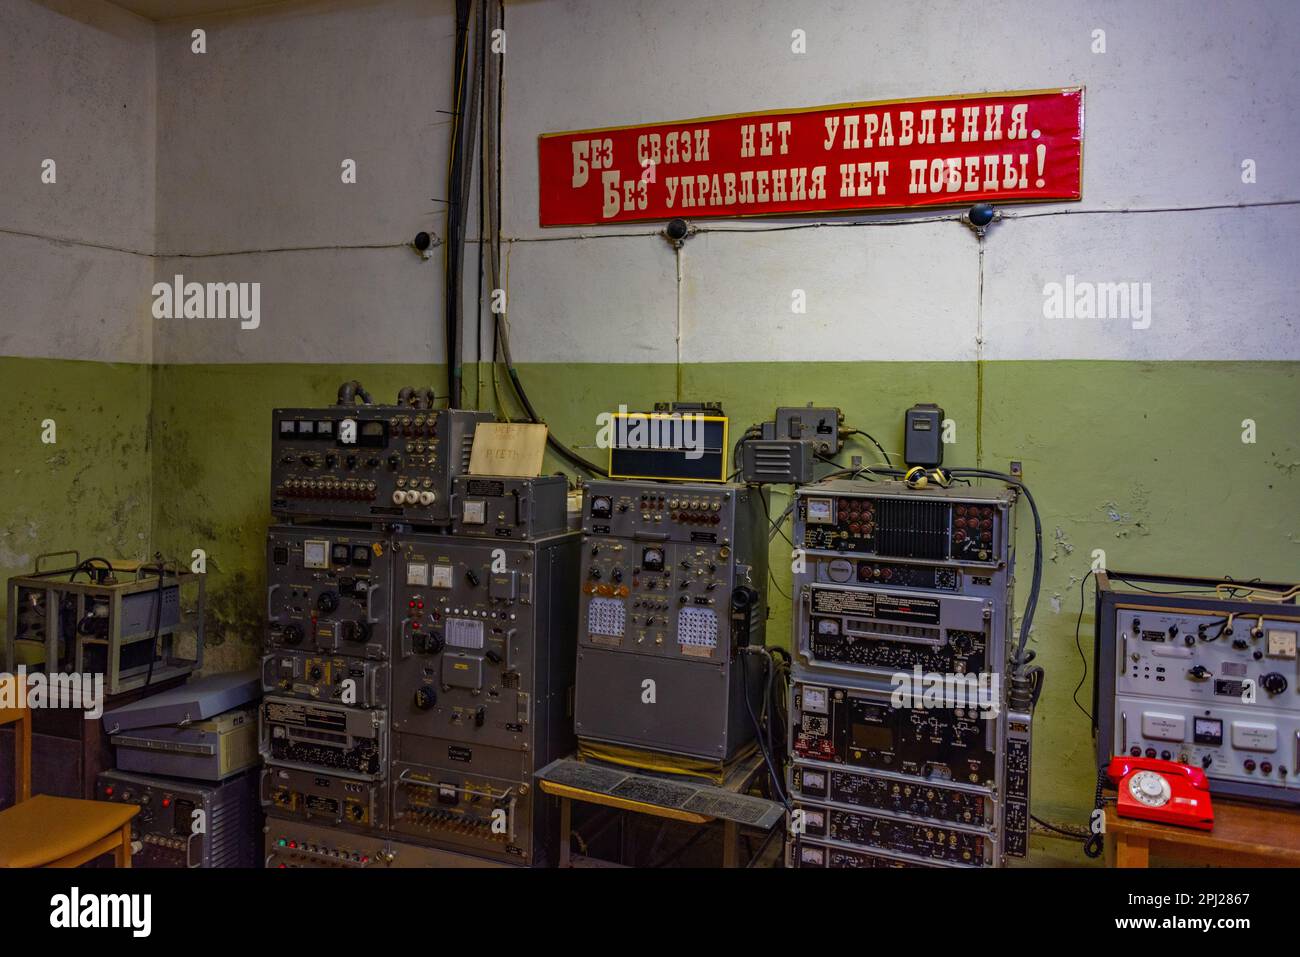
(209, 750)
(194, 701)
(920, 594)
(298, 844)
(339, 607)
(1133, 643)
(165, 828)
(659, 565)
(509, 507)
(691, 713)
(413, 452)
(492, 736)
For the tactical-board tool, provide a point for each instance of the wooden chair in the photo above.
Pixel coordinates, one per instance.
(46, 831)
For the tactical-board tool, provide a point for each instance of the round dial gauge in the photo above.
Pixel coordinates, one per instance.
(814, 699)
(1149, 788)
(839, 570)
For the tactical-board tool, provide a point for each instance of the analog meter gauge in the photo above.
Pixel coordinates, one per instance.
(814, 699)
(315, 554)
(821, 511)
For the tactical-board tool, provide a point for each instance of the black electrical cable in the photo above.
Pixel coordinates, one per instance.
(350, 391)
(87, 566)
(455, 203)
(849, 430)
(1078, 645)
(482, 182)
(777, 524)
(1096, 840)
(501, 337)
(1076, 835)
(758, 730)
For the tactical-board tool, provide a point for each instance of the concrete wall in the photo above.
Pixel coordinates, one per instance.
(75, 334)
(1131, 439)
(1139, 455)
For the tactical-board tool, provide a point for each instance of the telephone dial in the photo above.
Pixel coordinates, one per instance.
(1162, 791)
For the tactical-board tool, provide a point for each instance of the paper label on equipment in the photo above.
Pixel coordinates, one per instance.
(1249, 736)
(1164, 727)
(872, 605)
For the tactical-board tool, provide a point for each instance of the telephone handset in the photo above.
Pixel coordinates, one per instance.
(1162, 791)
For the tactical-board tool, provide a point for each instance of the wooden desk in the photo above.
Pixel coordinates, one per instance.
(1244, 835)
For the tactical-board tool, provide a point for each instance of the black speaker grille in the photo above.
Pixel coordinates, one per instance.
(906, 529)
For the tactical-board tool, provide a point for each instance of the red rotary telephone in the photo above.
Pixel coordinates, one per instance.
(1162, 791)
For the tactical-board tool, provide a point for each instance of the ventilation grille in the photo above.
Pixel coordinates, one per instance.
(773, 460)
(906, 529)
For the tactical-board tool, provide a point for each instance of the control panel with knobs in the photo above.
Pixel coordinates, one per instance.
(482, 688)
(337, 678)
(660, 564)
(328, 592)
(369, 463)
(1203, 673)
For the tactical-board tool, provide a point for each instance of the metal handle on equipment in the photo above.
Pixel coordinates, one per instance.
(370, 604)
(67, 551)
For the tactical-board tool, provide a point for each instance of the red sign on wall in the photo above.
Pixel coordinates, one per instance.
(1003, 147)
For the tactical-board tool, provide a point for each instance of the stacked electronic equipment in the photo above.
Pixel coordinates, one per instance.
(187, 758)
(416, 672)
(907, 581)
(138, 624)
(1202, 672)
(673, 587)
(483, 636)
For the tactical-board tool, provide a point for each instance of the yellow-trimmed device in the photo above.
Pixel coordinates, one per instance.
(677, 446)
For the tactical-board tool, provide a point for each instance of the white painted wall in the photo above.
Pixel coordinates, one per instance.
(250, 135)
(1183, 94)
(251, 138)
(77, 85)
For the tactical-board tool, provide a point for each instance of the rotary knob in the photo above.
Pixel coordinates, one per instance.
(327, 601)
(353, 630)
(292, 635)
(1274, 682)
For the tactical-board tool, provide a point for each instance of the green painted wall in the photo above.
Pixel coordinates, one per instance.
(90, 489)
(1143, 460)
